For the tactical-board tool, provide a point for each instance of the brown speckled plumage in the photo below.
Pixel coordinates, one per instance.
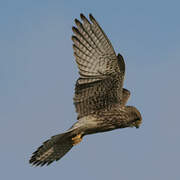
(99, 98)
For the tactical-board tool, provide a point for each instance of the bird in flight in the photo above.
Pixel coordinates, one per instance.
(100, 99)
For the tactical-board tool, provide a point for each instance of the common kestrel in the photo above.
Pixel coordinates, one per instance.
(100, 99)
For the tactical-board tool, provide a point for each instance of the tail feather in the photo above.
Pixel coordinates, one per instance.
(52, 149)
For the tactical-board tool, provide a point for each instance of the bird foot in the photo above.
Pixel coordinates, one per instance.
(77, 139)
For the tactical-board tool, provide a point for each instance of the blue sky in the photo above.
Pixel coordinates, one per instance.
(38, 73)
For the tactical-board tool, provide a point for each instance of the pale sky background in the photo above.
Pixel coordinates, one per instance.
(37, 77)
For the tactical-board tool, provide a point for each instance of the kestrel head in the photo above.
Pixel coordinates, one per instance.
(135, 117)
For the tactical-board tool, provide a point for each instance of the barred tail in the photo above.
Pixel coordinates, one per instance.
(53, 149)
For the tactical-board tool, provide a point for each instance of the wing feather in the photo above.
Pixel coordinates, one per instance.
(91, 43)
(101, 71)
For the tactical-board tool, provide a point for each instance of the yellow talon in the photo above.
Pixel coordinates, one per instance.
(77, 139)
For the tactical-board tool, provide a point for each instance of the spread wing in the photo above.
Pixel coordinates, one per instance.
(93, 51)
(101, 71)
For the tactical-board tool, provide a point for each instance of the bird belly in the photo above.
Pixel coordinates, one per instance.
(93, 124)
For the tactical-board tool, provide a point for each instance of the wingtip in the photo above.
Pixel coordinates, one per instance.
(119, 55)
(74, 29)
(91, 17)
(74, 38)
(82, 15)
(76, 20)
(83, 18)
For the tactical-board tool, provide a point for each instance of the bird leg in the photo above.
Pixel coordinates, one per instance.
(77, 139)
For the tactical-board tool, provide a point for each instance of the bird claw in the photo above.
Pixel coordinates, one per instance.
(77, 139)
